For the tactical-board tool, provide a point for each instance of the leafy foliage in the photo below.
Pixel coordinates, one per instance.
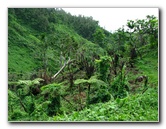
(131, 108)
(99, 37)
(103, 66)
(52, 93)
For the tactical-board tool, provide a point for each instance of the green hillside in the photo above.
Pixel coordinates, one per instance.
(68, 68)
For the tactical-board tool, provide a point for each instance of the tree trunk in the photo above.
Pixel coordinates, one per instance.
(133, 53)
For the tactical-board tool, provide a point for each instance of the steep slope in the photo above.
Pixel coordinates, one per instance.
(19, 51)
(25, 43)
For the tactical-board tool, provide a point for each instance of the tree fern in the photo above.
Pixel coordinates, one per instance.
(99, 90)
(52, 91)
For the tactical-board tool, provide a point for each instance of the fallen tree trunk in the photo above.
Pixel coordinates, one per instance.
(61, 69)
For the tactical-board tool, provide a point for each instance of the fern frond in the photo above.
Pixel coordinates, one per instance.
(50, 86)
(79, 81)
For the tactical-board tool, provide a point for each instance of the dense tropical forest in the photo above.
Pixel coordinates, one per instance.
(63, 67)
